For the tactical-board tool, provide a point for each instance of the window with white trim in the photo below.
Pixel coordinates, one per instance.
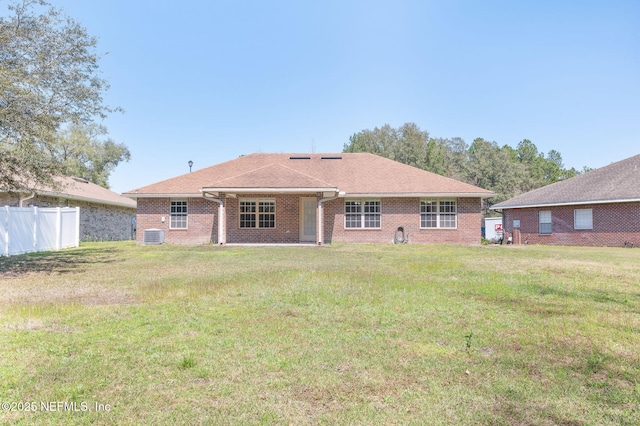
(437, 213)
(544, 220)
(178, 214)
(360, 214)
(583, 219)
(257, 213)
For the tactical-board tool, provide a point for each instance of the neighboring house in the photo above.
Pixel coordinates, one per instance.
(311, 198)
(104, 215)
(598, 208)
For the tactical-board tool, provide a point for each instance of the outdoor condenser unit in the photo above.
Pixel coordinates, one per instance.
(153, 236)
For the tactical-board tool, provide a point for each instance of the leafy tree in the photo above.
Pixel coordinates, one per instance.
(533, 162)
(456, 158)
(411, 146)
(49, 78)
(527, 152)
(436, 160)
(379, 141)
(491, 167)
(407, 144)
(81, 153)
(553, 167)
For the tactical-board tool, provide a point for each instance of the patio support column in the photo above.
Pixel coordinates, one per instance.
(320, 215)
(319, 224)
(222, 220)
(222, 229)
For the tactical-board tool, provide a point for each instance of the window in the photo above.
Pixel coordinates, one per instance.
(362, 214)
(257, 213)
(545, 222)
(178, 214)
(583, 219)
(437, 213)
(267, 214)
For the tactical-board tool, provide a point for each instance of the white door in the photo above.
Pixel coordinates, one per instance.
(308, 219)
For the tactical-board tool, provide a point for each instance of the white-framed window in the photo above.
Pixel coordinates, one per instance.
(544, 220)
(359, 214)
(583, 219)
(257, 213)
(438, 213)
(178, 214)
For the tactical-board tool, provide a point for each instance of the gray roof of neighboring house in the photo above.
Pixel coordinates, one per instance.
(74, 188)
(79, 189)
(615, 183)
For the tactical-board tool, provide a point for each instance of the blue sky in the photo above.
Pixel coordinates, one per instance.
(208, 81)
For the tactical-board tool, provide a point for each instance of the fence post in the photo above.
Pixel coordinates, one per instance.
(36, 224)
(58, 228)
(6, 235)
(77, 226)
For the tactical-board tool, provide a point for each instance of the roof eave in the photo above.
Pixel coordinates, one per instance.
(86, 199)
(418, 194)
(286, 190)
(566, 203)
(162, 195)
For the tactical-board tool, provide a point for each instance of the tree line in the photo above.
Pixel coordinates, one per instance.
(505, 170)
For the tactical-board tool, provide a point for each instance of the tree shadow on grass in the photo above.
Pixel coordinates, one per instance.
(56, 262)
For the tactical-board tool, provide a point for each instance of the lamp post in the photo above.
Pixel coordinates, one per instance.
(190, 164)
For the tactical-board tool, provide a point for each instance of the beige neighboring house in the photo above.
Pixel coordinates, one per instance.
(104, 214)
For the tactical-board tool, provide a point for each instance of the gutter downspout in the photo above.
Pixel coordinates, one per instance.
(319, 237)
(222, 232)
(22, 200)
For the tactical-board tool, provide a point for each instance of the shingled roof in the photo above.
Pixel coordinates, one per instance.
(83, 190)
(347, 173)
(615, 183)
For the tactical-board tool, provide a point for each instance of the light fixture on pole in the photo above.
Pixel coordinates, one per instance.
(190, 164)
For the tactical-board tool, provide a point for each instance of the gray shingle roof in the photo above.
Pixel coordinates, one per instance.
(83, 190)
(616, 182)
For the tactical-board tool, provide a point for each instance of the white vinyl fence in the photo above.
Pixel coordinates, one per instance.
(24, 230)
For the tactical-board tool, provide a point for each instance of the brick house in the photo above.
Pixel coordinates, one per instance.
(598, 208)
(311, 198)
(104, 214)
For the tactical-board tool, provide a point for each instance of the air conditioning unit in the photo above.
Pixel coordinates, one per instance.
(153, 236)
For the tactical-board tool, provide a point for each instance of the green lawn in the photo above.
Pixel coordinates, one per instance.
(347, 334)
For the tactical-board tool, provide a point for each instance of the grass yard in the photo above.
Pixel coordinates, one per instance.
(114, 333)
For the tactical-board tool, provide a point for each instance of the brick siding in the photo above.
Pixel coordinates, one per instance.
(98, 222)
(202, 220)
(404, 212)
(203, 225)
(613, 225)
(287, 229)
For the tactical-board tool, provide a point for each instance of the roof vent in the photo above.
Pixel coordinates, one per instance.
(331, 158)
(153, 236)
(299, 158)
